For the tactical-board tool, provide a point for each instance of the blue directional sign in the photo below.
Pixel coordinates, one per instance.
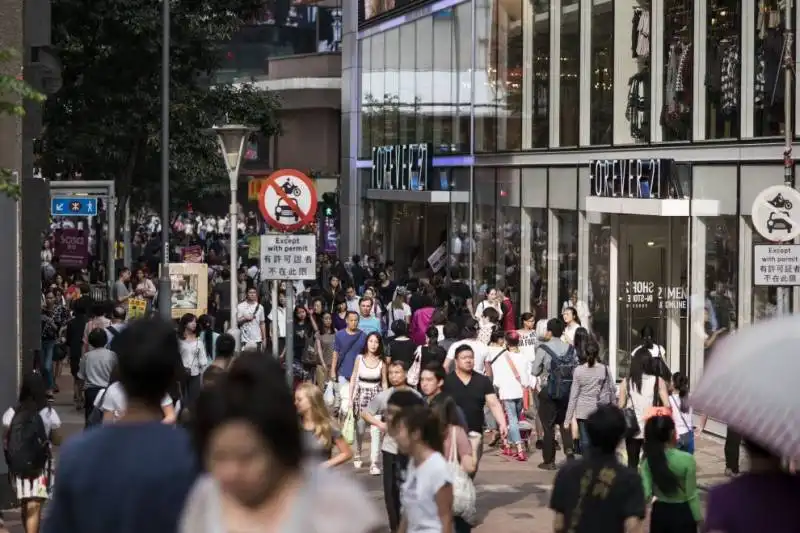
(72, 206)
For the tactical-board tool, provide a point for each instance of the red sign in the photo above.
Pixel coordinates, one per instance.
(288, 200)
(192, 254)
(73, 249)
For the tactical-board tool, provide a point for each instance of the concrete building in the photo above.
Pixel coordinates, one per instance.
(24, 28)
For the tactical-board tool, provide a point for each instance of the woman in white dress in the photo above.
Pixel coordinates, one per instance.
(492, 301)
(32, 488)
(571, 324)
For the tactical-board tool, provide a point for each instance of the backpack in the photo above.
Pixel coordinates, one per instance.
(27, 445)
(559, 378)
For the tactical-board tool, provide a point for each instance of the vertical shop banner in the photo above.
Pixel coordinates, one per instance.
(330, 240)
(137, 307)
(73, 248)
(253, 246)
(192, 254)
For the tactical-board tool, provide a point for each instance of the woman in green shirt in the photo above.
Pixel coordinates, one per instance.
(670, 475)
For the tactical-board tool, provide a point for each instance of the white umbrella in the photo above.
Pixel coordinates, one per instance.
(752, 383)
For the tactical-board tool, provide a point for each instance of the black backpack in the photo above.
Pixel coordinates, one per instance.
(559, 379)
(27, 445)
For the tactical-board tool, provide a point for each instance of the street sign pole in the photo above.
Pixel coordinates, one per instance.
(290, 333)
(275, 328)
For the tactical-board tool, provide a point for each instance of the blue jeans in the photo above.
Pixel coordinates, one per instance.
(48, 347)
(513, 409)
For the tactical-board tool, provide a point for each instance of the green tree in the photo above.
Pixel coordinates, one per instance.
(105, 122)
(14, 92)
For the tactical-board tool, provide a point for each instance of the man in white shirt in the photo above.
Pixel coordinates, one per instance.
(479, 349)
(250, 316)
(352, 300)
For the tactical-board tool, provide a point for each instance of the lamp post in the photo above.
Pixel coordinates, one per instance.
(231, 140)
(164, 285)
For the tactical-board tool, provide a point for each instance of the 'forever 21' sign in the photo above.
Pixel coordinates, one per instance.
(634, 178)
(403, 167)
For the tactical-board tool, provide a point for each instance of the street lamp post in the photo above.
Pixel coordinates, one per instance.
(164, 285)
(231, 140)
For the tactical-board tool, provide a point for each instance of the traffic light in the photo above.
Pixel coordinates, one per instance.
(330, 204)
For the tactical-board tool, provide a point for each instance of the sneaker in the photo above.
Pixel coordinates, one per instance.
(547, 466)
(520, 456)
(357, 464)
(374, 470)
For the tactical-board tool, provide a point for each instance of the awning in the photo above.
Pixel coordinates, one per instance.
(419, 197)
(652, 207)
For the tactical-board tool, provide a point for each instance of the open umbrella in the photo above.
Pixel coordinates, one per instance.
(752, 383)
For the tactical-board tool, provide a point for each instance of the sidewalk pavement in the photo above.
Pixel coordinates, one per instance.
(512, 496)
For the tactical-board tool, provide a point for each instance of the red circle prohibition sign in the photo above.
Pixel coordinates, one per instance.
(285, 202)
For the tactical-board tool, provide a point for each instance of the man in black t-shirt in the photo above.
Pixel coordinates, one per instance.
(597, 494)
(459, 289)
(472, 392)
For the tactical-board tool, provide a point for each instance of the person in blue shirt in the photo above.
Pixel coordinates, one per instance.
(348, 343)
(367, 322)
(133, 475)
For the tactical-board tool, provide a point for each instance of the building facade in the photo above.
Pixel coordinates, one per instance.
(608, 148)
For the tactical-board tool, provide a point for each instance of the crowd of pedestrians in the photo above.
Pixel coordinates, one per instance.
(412, 380)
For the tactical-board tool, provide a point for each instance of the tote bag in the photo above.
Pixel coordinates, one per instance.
(463, 488)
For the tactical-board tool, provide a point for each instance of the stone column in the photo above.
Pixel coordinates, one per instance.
(349, 182)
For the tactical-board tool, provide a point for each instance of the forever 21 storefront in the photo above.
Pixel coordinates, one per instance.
(608, 147)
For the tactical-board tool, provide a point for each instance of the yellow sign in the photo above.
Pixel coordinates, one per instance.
(254, 188)
(253, 247)
(137, 307)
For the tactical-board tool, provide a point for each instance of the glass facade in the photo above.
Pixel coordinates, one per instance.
(570, 73)
(601, 122)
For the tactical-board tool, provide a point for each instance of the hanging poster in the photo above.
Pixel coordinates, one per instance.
(72, 249)
(192, 254)
(189, 285)
(137, 308)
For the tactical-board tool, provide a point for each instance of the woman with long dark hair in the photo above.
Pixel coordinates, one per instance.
(306, 355)
(580, 341)
(642, 389)
(193, 356)
(670, 475)
(208, 336)
(368, 380)
(682, 414)
(32, 482)
(592, 386)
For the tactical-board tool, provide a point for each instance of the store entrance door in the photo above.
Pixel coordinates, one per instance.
(653, 266)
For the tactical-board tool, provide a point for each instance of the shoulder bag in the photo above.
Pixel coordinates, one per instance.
(603, 384)
(688, 444)
(631, 421)
(412, 378)
(463, 488)
(525, 397)
(95, 417)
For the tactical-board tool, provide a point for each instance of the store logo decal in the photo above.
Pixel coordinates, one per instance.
(634, 178)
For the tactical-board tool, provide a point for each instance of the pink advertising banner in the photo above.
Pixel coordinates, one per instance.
(73, 249)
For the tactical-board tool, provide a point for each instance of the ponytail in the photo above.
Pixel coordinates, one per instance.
(591, 352)
(657, 432)
(680, 384)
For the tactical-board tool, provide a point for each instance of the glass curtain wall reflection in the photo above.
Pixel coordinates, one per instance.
(510, 73)
(676, 115)
(366, 98)
(380, 99)
(508, 235)
(444, 103)
(723, 64)
(483, 231)
(601, 117)
(570, 73)
(487, 95)
(599, 282)
(391, 85)
(541, 74)
(424, 79)
(407, 105)
(567, 256)
(769, 89)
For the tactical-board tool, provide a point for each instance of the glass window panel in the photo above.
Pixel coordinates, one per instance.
(723, 67)
(678, 70)
(463, 67)
(407, 109)
(722, 274)
(768, 83)
(366, 98)
(483, 231)
(541, 74)
(538, 287)
(423, 80)
(442, 103)
(378, 89)
(509, 74)
(391, 87)
(567, 255)
(602, 72)
(570, 73)
(485, 76)
(635, 68)
(459, 240)
(507, 232)
(599, 297)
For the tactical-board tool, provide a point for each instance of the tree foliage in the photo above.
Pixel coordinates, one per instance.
(14, 92)
(105, 122)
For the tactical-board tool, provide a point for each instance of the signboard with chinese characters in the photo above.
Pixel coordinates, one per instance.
(288, 257)
(634, 178)
(776, 264)
(654, 296)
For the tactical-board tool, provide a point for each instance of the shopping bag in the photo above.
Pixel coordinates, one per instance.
(329, 396)
(349, 427)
